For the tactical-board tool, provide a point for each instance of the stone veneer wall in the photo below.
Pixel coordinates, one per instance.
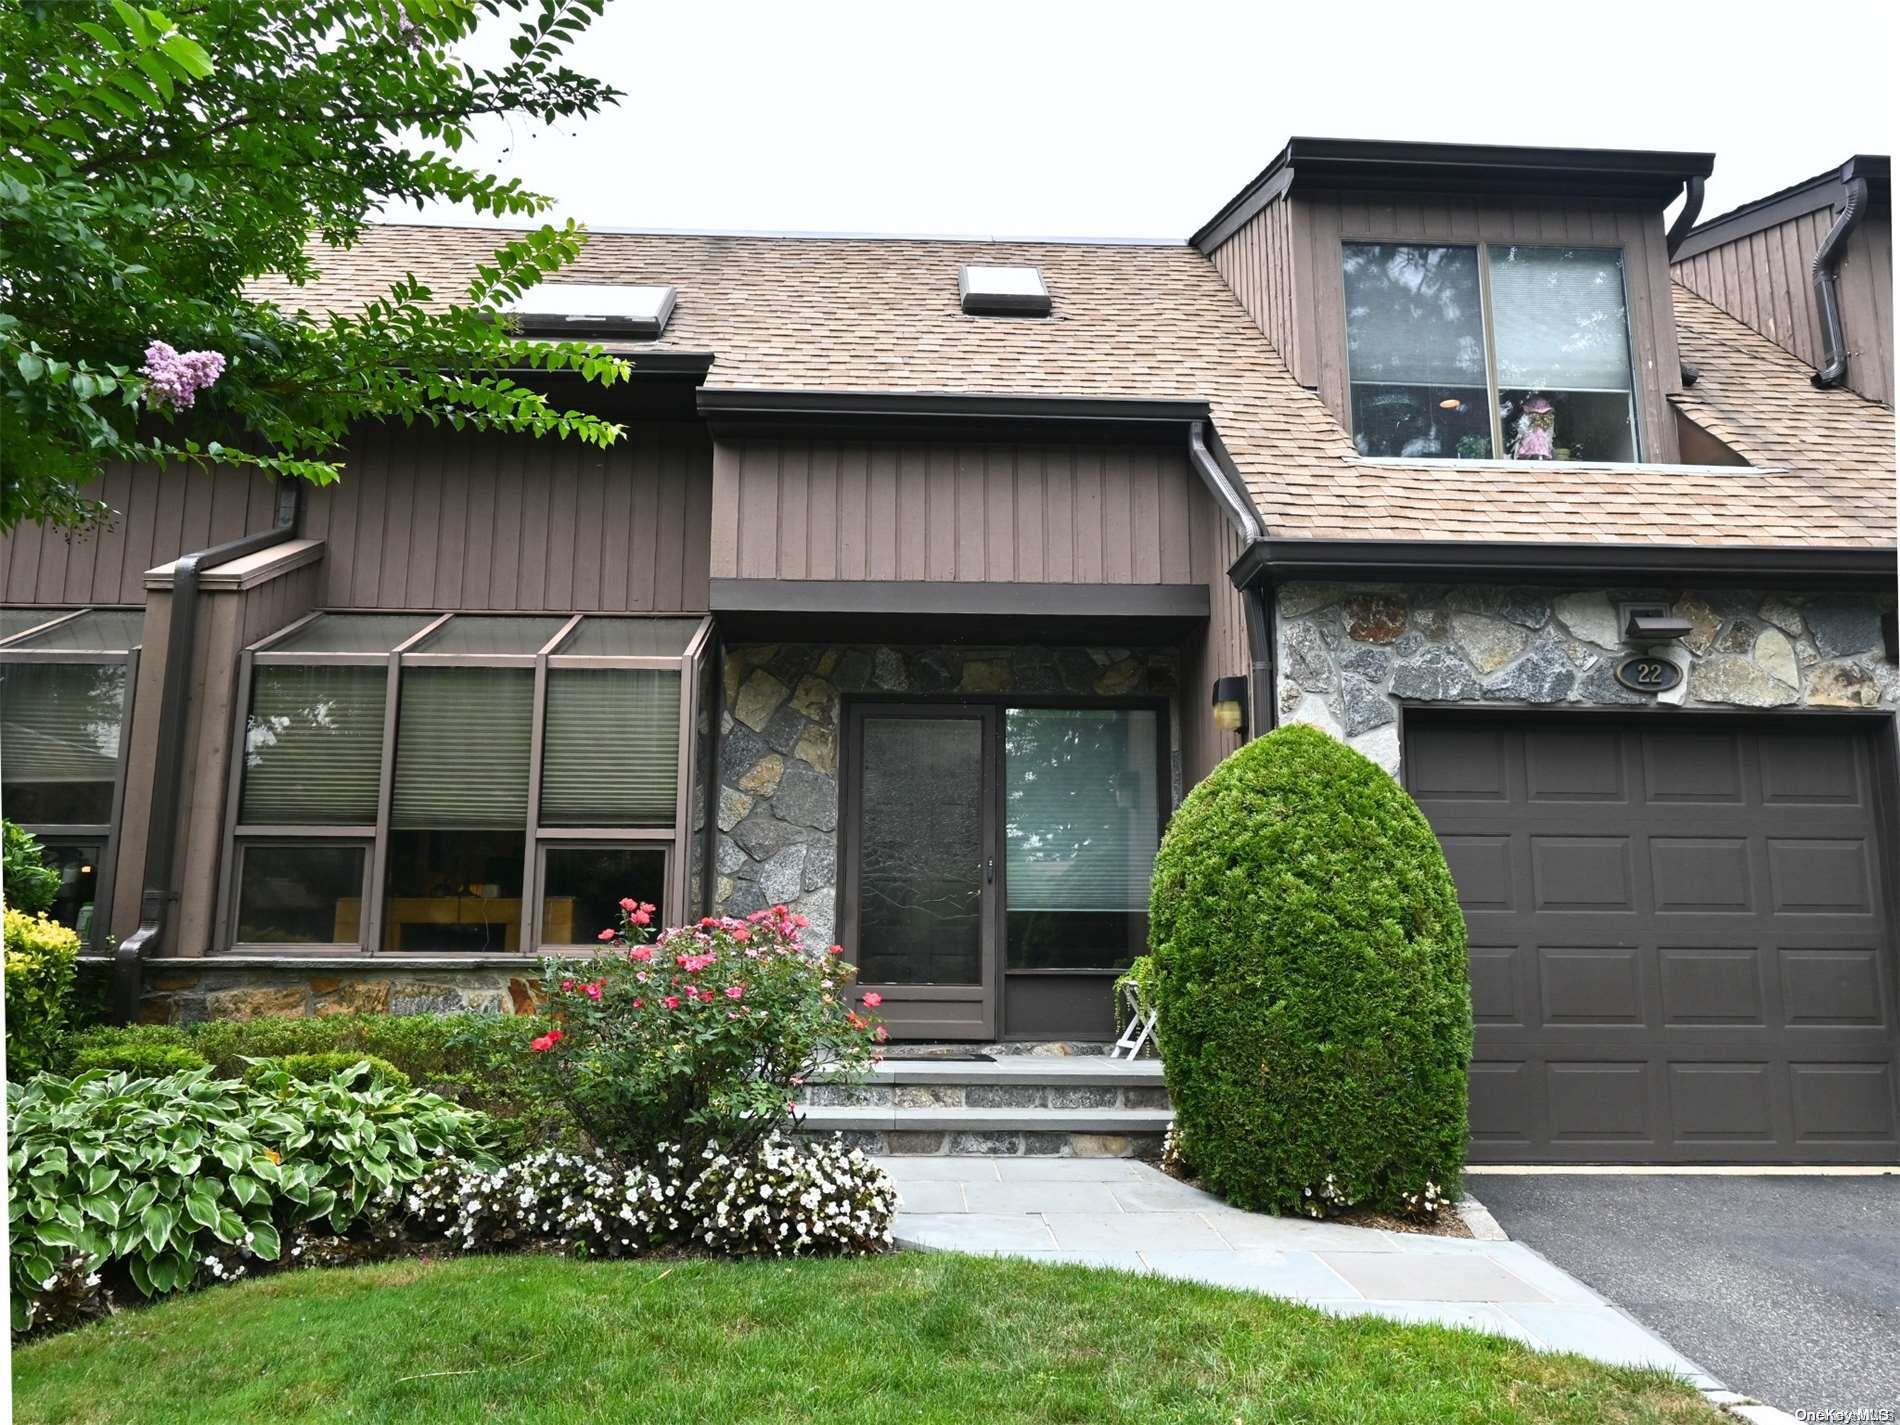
(778, 749)
(178, 993)
(1349, 654)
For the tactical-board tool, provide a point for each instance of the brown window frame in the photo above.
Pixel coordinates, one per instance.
(1482, 247)
(676, 839)
(105, 835)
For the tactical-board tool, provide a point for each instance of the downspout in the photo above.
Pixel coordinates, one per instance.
(169, 761)
(1254, 598)
(1685, 220)
(1826, 268)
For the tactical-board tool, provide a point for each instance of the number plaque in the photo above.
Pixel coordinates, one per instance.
(1643, 673)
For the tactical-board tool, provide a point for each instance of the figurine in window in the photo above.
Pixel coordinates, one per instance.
(1536, 431)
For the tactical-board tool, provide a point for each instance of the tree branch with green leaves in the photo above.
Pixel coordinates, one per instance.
(153, 165)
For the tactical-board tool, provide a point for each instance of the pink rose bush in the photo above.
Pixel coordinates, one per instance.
(699, 1035)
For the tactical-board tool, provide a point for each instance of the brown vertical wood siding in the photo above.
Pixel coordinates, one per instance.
(1263, 266)
(1284, 266)
(433, 520)
(1219, 651)
(1766, 280)
(158, 515)
(1004, 513)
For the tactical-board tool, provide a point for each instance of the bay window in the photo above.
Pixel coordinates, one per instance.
(65, 680)
(458, 784)
(1489, 351)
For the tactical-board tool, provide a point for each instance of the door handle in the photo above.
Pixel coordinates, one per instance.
(989, 870)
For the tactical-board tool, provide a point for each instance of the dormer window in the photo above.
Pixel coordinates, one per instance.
(1489, 351)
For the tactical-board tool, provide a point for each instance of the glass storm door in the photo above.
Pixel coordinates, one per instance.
(920, 894)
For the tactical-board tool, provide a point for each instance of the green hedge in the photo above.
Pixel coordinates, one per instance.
(477, 1060)
(141, 1060)
(1310, 978)
(314, 1068)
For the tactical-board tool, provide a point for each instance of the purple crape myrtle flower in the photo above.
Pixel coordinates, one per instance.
(178, 376)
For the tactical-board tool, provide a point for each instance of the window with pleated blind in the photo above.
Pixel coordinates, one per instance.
(610, 747)
(462, 744)
(59, 741)
(1081, 808)
(313, 746)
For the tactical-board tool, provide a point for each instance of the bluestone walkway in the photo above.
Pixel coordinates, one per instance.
(1115, 1212)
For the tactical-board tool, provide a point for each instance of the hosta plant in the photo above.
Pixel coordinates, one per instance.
(704, 1034)
(164, 1182)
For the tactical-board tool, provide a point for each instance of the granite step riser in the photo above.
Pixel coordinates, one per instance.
(1000, 1143)
(985, 1096)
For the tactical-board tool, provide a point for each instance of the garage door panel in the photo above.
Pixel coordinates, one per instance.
(1701, 875)
(1816, 876)
(1812, 770)
(1681, 948)
(1575, 765)
(1834, 988)
(1705, 986)
(1843, 1103)
(1598, 1102)
(1588, 985)
(1722, 1102)
(1705, 769)
(1582, 873)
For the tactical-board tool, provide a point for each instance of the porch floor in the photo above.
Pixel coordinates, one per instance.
(1123, 1214)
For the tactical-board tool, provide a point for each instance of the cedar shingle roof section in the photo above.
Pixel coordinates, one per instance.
(1147, 322)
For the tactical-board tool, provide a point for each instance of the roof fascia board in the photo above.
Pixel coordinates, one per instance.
(1559, 562)
(959, 598)
(1631, 175)
(921, 415)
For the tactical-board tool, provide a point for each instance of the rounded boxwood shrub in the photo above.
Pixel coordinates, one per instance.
(141, 1061)
(317, 1068)
(1310, 978)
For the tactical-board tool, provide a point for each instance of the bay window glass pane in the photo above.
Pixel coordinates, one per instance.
(454, 890)
(59, 741)
(1562, 336)
(462, 746)
(492, 634)
(300, 895)
(353, 633)
(582, 887)
(94, 631)
(1415, 351)
(632, 637)
(313, 746)
(610, 748)
(1081, 791)
(76, 900)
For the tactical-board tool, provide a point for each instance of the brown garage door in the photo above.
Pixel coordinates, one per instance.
(1681, 946)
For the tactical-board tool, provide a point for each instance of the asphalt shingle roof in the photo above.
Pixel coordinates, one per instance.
(1140, 321)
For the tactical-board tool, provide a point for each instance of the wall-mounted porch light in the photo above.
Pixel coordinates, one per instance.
(1230, 704)
(1650, 623)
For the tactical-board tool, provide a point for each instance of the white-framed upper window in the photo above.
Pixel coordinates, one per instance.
(1489, 351)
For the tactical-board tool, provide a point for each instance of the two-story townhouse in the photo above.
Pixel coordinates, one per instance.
(931, 575)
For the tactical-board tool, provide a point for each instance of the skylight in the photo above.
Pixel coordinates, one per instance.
(598, 308)
(1003, 291)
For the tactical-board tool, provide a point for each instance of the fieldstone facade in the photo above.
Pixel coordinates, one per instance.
(181, 993)
(1349, 654)
(778, 807)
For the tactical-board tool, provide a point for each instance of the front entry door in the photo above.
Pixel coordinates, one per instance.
(920, 878)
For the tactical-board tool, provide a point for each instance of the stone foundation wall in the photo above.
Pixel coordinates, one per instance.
(1350, 654)
(778, 811)
(186, 994)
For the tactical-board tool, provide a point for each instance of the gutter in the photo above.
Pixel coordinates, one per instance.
(161, 841)
(1573, 563)
(1826, 270)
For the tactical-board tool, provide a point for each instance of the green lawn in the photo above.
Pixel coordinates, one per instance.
(906, 1338)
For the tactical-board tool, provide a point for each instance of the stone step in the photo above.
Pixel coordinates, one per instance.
(1017, 1083)
(1100, 1132)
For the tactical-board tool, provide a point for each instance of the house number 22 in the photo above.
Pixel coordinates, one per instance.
(1644, 674)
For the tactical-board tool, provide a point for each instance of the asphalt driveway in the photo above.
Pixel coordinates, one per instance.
(1785, 1288)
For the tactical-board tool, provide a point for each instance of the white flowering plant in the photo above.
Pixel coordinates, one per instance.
(162, 1183)
(706, 1034)
(792, 1199)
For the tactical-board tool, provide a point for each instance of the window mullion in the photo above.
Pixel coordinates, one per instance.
(1490, 352)
(372, 920)
(530, 882)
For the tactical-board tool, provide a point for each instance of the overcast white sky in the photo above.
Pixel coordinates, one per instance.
(1102, 120)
